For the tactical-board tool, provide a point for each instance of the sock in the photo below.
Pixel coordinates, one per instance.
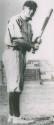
(16, 104)
(11, 103)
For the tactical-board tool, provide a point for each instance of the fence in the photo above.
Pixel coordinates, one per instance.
(1, 72)
(29, 75)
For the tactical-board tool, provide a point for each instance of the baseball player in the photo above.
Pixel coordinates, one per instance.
(18, 41)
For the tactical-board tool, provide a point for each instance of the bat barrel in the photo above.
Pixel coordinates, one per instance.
(51, 10)
(46, 21)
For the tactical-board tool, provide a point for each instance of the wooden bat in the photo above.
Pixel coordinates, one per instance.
(46, 22)
(43, 28)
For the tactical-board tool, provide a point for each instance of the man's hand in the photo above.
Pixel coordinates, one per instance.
(35, 47)
(36, 44)
(38, 40)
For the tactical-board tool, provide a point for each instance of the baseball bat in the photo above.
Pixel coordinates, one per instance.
(43, 27)
(46, 22)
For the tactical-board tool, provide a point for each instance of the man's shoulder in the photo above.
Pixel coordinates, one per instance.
(14, 18)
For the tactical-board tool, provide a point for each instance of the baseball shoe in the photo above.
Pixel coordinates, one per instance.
(10, 118)
(52, 118)
(19, 120)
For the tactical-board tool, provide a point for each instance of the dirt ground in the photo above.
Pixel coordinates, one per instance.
(45, 121)
(4, 112)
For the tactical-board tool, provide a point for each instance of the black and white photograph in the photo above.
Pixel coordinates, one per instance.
(26, 62)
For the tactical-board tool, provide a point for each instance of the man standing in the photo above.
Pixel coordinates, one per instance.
(18, 41)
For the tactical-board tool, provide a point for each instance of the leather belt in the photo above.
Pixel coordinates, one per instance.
(9, 47)
(13, 47)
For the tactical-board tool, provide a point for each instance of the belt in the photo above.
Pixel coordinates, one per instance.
(13, 47)
(10, 47)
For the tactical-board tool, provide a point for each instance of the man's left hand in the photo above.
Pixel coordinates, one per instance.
(36, 46)
(38, 40)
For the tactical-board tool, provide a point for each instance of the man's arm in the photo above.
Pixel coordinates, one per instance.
(22, 43)
(14, 30)
(17, 39)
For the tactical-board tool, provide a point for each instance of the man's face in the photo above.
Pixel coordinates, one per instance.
(28, 13)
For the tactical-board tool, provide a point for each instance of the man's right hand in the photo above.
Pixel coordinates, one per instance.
(35, 47)
(38, 40)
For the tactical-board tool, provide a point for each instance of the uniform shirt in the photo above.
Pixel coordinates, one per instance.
(14, 60)
(18, 28)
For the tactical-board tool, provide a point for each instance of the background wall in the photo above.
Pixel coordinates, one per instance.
(46, 50)
(9, 8)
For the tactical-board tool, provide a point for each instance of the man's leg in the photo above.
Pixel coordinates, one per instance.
(10, 106)
(17, 118)
(11, 103)
(16, 104)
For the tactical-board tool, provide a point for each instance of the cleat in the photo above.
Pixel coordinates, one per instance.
(52, 118)
(10, 118)
(19, 120)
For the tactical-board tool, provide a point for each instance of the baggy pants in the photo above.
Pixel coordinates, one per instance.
(13, 61)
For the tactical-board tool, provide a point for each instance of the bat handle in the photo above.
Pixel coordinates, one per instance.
(41, 34)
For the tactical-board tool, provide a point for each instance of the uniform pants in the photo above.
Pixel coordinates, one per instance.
(14, 98)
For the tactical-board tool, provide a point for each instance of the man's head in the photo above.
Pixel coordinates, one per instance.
(29, 9)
